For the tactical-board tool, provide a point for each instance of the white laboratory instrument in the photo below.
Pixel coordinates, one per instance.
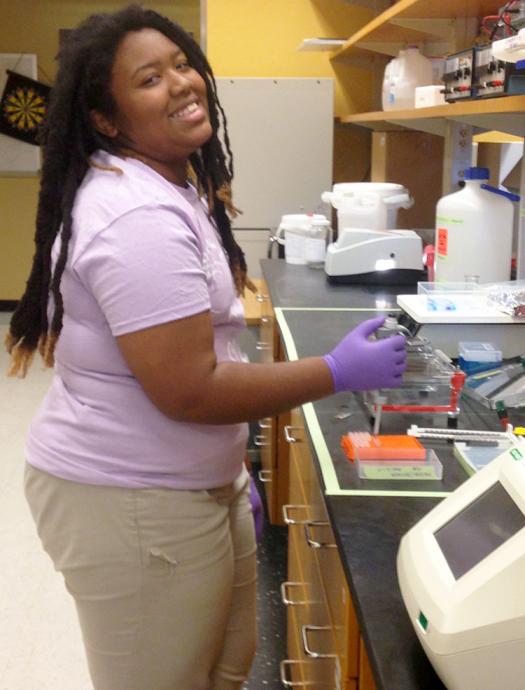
(461, 571)
(372, 205)
(377, 257)
(511, 49)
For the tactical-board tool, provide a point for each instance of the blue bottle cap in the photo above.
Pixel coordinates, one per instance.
(477, 174)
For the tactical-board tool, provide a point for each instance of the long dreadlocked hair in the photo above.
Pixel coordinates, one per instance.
(69, 139)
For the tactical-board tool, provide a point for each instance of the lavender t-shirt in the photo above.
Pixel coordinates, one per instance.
(143, 252)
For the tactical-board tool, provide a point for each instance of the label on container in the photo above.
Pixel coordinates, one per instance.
(442, 242)
(423, 471)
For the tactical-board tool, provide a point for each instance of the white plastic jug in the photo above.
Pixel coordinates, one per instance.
(474, 232)
(370, 205)
(390, 77)
(410, 69)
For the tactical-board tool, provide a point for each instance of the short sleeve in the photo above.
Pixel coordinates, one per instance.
(145, 269)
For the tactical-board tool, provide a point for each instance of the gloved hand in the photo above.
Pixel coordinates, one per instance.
(257, 510)
(359, 364)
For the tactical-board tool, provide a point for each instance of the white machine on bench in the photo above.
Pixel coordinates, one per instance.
(461, 570)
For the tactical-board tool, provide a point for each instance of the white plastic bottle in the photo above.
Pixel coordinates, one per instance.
(474, 232)
(318, 237)
(413, 70)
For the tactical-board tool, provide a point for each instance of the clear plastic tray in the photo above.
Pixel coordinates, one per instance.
(444, 288)
(402, 468)
(443, 297)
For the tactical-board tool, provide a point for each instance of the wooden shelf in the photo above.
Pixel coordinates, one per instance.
(505, 114)
(411, 22)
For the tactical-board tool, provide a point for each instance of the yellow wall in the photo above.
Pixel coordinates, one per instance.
(31, 26)
(259, 38)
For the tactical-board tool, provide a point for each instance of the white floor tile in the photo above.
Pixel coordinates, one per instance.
(40, 645)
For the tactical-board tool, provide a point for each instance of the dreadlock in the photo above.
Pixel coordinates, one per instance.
(69, 139)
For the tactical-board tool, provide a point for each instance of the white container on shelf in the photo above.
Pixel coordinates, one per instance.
(474, 232)
(389, 79)
(427, 96)
(410, 70)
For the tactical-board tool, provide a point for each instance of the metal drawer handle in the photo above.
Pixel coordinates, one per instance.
(262, 298)
(284, 596)
(311, 542)
(265, 319)
(288, 436)
(262, 423)
(265, 476)
(260, 441)
(262, 346)
(305, 629)
(290, 521)
(283, 672)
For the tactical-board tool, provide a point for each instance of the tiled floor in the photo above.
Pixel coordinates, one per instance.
(40, 646)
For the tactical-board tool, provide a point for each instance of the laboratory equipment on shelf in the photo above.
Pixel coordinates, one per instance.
(461, 570)
(458, 76)
(510, 49)
(474, 231)
(431, 383)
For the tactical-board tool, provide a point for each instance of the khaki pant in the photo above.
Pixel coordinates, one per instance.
(163, 580)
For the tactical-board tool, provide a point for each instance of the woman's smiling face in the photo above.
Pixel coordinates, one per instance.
(162, 106)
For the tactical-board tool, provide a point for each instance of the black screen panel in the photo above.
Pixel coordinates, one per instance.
(485, 524)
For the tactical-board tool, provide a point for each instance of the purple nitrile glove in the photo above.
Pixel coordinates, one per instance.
(257, 510)
(359, 364)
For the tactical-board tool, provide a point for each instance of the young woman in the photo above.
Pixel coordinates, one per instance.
(135, 473)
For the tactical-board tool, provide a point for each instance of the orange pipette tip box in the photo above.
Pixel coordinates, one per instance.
(366, 446)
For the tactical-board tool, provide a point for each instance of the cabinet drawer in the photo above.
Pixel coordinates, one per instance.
(311, 647)
(305, 469)
(341, 610)
(319, 545)
(265, 442)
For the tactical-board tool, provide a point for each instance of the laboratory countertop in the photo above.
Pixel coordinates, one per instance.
(368, 528)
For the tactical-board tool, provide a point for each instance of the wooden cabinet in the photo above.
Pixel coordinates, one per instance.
(323, 634)
(323, 641)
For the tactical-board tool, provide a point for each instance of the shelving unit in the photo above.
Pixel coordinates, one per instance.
(438, 27)
(418, 22)
(505, 114)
